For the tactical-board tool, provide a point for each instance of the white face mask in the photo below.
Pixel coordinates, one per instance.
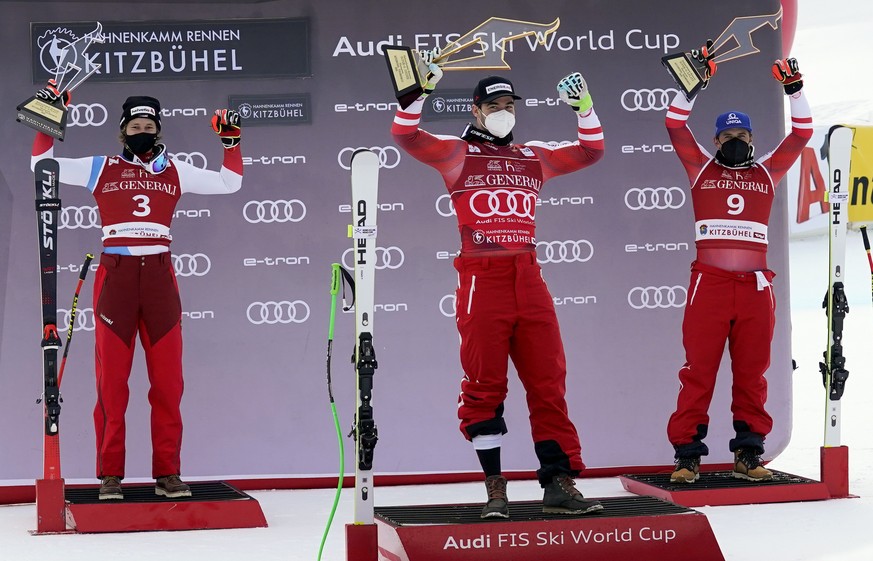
(500, 123)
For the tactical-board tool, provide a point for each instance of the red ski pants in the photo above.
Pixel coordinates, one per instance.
(737, 307)
(505, 310)
(138, 294)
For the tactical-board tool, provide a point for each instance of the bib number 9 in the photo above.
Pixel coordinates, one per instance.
(736, 204)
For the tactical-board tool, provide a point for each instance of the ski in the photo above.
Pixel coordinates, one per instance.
(833, 369)
(365, 185)
(48, 207)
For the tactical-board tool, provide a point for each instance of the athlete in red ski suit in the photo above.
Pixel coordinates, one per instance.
(504, 308)
(730, 295)
(135, 286)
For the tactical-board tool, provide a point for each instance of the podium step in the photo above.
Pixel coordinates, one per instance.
(627, 529)
(720, 488)
(213, 505)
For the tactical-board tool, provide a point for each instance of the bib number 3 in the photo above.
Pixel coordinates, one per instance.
(143, 209)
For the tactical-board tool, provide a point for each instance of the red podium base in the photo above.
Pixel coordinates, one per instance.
(213, 505)
(50, 518)
(835, 470)
(720, 488)
(627, 529)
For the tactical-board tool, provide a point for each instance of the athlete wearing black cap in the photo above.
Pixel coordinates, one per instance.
(504, 308)
(135, 291)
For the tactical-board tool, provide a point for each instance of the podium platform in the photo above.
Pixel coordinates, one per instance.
(213, 505)
(627, 529)
(720, 488)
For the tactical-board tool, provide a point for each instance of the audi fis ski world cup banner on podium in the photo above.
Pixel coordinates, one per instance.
(615, 240)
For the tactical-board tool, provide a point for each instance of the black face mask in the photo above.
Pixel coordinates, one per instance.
(735, 153)
(141, 143)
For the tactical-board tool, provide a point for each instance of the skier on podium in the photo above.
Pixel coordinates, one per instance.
(730, 295)
(135, 286)
(504, 308)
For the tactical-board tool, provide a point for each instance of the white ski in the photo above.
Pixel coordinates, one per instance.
(365, 186)
(833, 368)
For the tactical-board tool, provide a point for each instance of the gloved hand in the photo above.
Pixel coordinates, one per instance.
(436, 73)
(573, 91)
(50, 93)
(787, 71)
(705, 56)
(226, 124)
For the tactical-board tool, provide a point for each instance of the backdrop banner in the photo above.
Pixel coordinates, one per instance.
(615, 240)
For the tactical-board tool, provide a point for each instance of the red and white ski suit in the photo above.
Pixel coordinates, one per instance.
(504, 308)
(135, 291)
(731, 213)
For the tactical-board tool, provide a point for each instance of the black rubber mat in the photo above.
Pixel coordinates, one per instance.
(717, 480)
(523, 511)
(145, 493)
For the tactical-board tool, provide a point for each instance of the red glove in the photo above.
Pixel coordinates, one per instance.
(50, 93)
(705, 56)
(787, 71)
(226, 124)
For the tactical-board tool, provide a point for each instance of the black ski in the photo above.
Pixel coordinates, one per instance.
(48, 207)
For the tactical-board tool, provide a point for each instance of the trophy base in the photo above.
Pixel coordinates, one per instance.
(688, 73)
(406, 69)
(49, 118)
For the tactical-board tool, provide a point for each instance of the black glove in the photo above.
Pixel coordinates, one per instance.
(705, 56)
(51, 94)
(226, 124)
(787, 71)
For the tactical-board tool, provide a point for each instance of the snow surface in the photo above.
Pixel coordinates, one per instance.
(829, 39)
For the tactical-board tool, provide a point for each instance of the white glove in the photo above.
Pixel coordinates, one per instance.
(573, 91)
(436, 73)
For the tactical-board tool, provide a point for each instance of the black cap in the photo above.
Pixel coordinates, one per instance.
(141, 106)
(491, 88)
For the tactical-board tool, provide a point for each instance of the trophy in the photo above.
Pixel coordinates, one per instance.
(691, 73)
(409, 73)
(72, 68)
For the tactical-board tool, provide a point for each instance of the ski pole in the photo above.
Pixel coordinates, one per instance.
(73, 308)
(335, 282)
(869, 256)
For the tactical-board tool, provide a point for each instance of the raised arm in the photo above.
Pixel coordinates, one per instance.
(445, 153)
(781, 159)
(589, 148)
(226, 124)
(692, 155)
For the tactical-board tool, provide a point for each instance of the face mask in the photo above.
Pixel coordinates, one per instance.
(500, 123)
(141, 143)
(735, 152)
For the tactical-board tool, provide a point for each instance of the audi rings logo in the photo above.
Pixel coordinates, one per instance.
(391, 257)
(271, 313)
(389, 156)
(84, 319)
(191, 264)
(578, 251)
(444, 206)
(653, 297)
(86, 115)
(266, 212)
(196, 159)
(504, 202)
(654, 198)
(448, 305)
(656, 99)
(75, 217)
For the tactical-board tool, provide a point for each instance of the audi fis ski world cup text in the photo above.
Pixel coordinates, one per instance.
(503, 540)
(635, 39)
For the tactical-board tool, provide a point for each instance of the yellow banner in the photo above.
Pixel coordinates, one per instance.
(861, 171)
